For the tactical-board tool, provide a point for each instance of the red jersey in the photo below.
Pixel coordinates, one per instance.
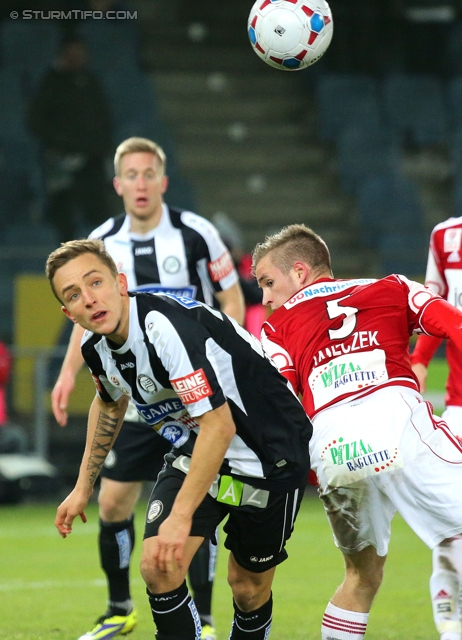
(340, 339)
(444, 275)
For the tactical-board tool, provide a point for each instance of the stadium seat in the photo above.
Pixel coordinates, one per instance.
(21, 189)
(453, 48)
(364, 153)
(403, 252)
(28, 46)
(388, 204)
(12, 104)
(345, 100)
(415, 108)
(131, 95)
(34, 235)
(112, 45)
(26, 246)
(457, 192)
(454, 102)
(6, 304)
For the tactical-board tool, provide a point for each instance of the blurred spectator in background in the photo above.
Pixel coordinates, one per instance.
(255, 312)
(12, 437)
(70, 116)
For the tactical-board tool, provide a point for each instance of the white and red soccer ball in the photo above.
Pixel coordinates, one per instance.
(290, 34)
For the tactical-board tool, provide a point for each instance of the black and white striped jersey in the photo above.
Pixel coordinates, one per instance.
(184, 255)
(183, 359)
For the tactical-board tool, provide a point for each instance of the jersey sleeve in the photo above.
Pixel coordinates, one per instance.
(434, 277)
(279, 356)
(220, 266)
(106, 391)
(192, 360)
(443, 320)
(425, 349)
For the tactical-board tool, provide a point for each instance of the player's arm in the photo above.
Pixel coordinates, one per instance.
(104, 422)
(65, 383)
(441, 319)
(424, 351)
(232, 302)
(217, 429)
(279, 356)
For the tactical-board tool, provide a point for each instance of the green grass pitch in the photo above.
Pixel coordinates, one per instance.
(53, 589)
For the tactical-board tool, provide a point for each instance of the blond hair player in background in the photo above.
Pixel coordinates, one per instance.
(160, 249)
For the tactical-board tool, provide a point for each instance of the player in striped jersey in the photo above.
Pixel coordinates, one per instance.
(159, 249)
(376, 448)
(444, 275)
(240, 436)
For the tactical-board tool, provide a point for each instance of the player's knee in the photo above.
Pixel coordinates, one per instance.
(249, 591)
(108, 508)
(112, 508)
(150, 574)
(366, 578)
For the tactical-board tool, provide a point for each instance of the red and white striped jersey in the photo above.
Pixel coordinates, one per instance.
(444, 275)
(340, 339)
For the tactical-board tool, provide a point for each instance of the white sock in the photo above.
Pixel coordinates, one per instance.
(445, 584)
(340, 624)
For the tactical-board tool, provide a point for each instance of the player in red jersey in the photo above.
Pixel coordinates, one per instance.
(444, 275)
(376, 448)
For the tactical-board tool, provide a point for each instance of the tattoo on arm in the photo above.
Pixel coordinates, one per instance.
(101, 445)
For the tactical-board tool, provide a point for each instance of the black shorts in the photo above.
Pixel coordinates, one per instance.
(137, 455)
(255, 535)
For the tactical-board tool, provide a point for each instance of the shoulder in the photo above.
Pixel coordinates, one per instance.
(448, 224)
(89, 344)
(111, 227)
(193, 222)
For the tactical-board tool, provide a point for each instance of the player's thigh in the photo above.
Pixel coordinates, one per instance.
(359, 516)
(206, 518)
(137, 455)
(256, 535)
(117, 500)
(426, 491)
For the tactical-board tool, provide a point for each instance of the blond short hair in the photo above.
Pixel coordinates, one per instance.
(73, 249)
(292, 243)
(139, 145)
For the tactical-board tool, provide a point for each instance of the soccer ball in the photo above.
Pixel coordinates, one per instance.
(290, 34)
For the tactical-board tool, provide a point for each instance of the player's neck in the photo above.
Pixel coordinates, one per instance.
(142, 226)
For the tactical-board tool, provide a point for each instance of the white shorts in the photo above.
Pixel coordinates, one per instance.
(381, 454)
(453, 417)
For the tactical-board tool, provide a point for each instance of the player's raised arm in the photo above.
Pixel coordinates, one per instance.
(65, 383)
(104, 422)
(232, 302)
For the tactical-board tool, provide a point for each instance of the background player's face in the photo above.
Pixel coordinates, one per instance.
(141, 184)
(277, 287)
(93, 297)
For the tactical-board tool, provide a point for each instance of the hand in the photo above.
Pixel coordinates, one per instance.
(69, 509)
(171, 539)
(420, 371)
(60, 397)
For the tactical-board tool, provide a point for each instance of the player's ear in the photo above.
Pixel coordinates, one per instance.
(116, 183)
(164, 186)
(302, 272)
(123, 284)
(68, 314)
